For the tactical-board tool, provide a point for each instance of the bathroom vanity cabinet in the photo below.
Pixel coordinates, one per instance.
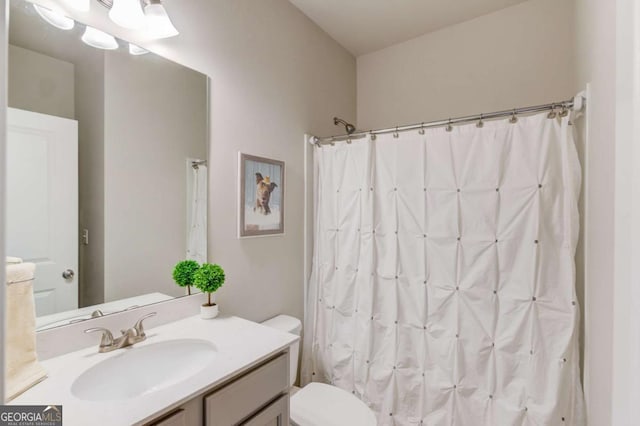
(258, 397)
(236, 372)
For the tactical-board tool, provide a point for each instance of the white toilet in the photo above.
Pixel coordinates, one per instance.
(318, 404)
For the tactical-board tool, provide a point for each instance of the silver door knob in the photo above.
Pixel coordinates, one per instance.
(68, 274)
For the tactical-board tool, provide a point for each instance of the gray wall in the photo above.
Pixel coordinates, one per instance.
(40, 83)
(518, 56)
(155, 118)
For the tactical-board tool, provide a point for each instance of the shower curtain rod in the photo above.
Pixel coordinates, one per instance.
(577, 103)
(197, 163)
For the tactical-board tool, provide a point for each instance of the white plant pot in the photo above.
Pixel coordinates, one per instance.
(208, 312)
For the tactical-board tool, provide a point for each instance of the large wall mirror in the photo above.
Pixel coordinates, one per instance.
(106, 169)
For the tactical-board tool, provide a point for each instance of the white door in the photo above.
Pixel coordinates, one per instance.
(42, 204)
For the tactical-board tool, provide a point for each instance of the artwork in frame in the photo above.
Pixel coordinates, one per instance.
(261, 187)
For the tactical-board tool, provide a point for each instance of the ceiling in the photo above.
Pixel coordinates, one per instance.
(364, 26)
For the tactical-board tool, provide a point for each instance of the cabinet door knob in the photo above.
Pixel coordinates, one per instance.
(68, 274)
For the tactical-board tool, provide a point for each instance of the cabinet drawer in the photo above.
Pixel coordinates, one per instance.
(243, 397)
(179, 418)
(275, 414)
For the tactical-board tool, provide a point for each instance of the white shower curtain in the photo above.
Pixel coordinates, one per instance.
(197, 237)
(442, 288)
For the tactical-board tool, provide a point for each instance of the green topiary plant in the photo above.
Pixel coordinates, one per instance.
(209, 278)
(184, 272)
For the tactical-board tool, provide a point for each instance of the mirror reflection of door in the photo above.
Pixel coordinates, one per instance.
(42, 204)
(114, 202)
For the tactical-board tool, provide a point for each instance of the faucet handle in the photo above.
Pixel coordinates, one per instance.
(107, 338)
(139, 328)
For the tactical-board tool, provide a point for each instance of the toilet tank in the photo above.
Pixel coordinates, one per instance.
(288, 325)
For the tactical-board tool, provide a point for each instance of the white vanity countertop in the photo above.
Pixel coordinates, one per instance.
(240, 345)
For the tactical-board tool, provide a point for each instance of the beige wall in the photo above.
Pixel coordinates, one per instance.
(595, 46)
(40, 83)
(517, 56)
(155, 118)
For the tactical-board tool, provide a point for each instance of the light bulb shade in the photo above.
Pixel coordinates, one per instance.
(81, 5)
(127, 14)
(137, 50)
(99, 39)
(158, 23)
(54, 18)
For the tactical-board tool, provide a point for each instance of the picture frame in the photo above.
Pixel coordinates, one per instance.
(261, 190)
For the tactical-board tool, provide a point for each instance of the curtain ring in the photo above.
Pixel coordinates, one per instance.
(513, 118)
(332, 143)
(373, 136)
(480, 123)
(552, 113)
(421, 131)
(564, 111)
(395, 134)
(349, 141)
(449, 126)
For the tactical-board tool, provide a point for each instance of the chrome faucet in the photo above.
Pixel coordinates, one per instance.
(129, 336)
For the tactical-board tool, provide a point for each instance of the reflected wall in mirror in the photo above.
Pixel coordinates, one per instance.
(103, 193)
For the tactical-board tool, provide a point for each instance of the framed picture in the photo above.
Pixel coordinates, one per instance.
(261, 195)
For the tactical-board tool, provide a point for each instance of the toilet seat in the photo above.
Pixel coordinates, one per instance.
(319, 404)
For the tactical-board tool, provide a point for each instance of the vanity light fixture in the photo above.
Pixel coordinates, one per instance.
(127, 14)
(152, 20)
(137, 50)
(99, 39)
(159, 24)
(81, 5)
(54, 18)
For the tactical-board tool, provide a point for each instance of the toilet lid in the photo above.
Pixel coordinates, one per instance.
(318, 404)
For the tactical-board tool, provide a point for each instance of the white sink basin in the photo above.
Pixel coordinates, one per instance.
(140, 370)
